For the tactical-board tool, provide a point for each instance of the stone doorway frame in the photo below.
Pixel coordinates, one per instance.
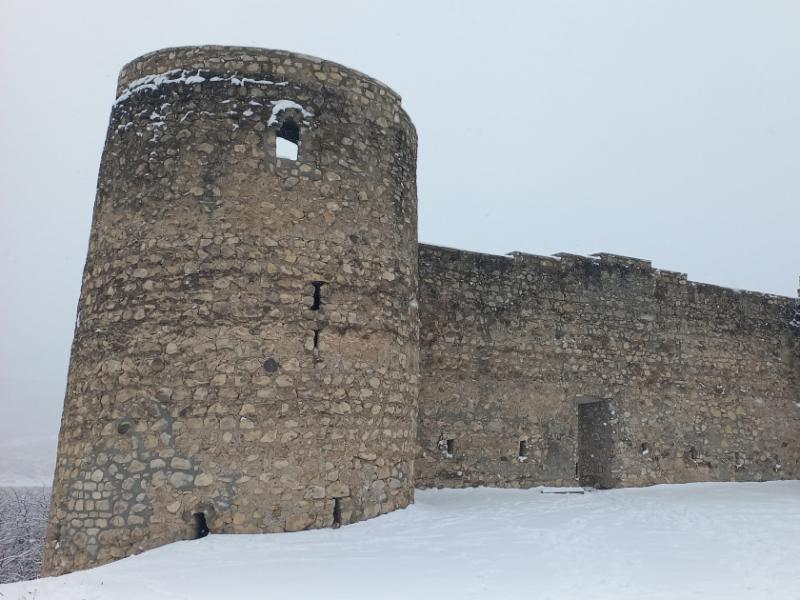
(595, 442)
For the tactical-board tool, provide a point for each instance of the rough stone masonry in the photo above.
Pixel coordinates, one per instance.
(262, 345)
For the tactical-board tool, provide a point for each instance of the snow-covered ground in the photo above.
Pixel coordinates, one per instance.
(712, 540)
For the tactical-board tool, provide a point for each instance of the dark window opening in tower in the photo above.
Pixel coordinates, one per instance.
(317, 302)
(451, 444)
(200, 525)
(316, 340)
(337, 513)
(287, 140)
(523, 449)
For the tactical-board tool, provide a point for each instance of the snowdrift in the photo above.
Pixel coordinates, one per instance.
(709, 540)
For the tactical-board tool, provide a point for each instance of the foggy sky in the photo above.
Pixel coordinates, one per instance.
(663, 130)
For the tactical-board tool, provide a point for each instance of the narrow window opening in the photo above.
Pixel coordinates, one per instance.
(337, 513)
(739, 458)
(316, 340)
(577, 475)
(200, 525)
(523, 450)
(287, 140)
(644, 449)
(317, 302)
(451, 445)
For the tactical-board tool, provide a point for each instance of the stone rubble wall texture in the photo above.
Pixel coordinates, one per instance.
(702, 382)
(203, 379)
(195, 384)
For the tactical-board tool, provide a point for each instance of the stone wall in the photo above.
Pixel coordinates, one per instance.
(701, 382)
(247, 349)
(247, 339)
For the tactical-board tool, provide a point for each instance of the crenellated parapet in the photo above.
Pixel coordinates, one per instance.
(693, 382)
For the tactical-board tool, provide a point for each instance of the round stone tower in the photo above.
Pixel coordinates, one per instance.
(246, 350)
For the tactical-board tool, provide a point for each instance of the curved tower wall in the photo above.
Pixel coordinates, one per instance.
(205, 376)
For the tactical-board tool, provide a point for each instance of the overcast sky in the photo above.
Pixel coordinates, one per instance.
(664, 130)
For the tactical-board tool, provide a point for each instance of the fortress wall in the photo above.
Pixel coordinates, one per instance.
(247, 348)
(197, 382)
(699, 382)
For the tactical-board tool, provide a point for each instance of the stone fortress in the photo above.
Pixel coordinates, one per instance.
(263, 346)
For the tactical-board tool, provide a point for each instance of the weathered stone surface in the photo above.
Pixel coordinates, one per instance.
(248, 341)
(236, 386)
(700, 382)
(203, 480)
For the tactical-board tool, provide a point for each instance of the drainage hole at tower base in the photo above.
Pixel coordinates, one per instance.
(337, 513)
(200, 525)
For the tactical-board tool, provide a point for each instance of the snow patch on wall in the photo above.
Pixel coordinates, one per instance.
(279, 106)
(182, 76)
